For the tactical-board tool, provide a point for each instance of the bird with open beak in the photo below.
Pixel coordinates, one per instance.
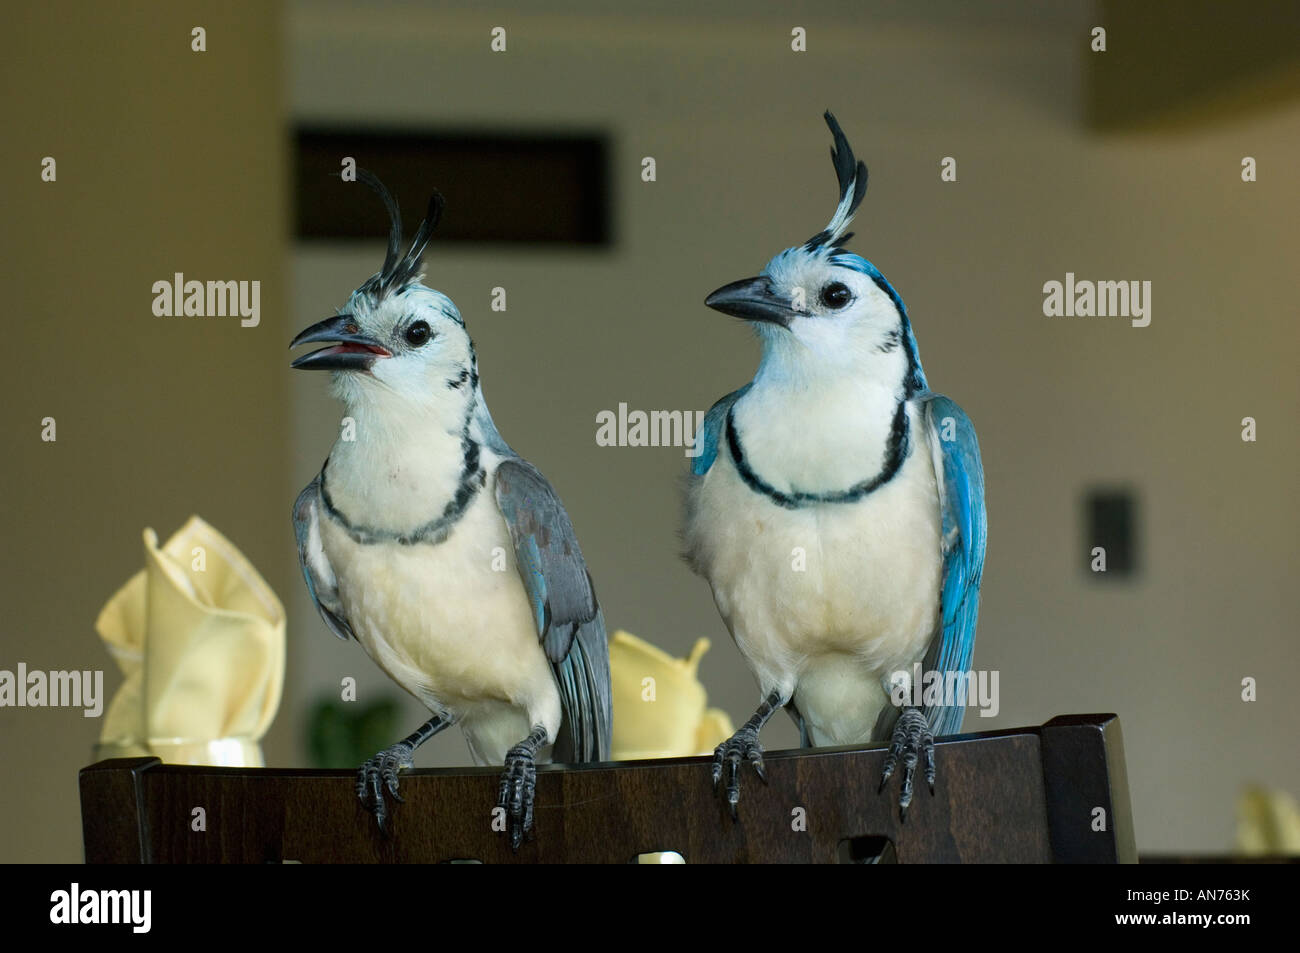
(400, 539)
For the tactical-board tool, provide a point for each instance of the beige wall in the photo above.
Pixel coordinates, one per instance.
(167, 160)
(174, 161)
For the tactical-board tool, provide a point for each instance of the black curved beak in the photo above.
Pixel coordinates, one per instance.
(754, 300)
(352, 351)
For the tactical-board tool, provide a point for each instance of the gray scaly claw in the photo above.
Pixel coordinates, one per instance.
(517, 791)
(380, 774)
(912, 739)
(742, 745)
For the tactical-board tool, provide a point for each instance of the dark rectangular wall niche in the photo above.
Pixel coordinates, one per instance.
(1110, 521)
(526, 189)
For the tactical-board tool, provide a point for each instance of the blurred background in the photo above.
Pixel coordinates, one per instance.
(1117, 165)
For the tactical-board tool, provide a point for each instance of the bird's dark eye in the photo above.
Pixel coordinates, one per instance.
(835, 295)
(418, 334)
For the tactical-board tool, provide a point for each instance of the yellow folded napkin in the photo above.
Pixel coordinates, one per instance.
(1268, 823)
(200, 637)
(659, 703)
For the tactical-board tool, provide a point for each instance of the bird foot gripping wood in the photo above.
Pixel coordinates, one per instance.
(519, 786)
(742, 745)
(380, 773)
(912, 739)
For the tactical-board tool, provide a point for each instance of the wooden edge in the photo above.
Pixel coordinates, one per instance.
(1084, 774)
(1121, 803)
(111, 832)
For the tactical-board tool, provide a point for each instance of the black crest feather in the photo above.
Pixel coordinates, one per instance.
(400, 270)
(852, 177)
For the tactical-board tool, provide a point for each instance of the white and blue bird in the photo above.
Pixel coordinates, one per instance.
(447, 556)
(836, 507)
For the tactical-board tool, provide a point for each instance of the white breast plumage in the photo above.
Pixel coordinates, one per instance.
(451, 624)
(824, 600)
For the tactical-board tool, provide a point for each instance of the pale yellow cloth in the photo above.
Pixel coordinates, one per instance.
(200, 637)
(660, 706)
(1268, 823)
(660, 709)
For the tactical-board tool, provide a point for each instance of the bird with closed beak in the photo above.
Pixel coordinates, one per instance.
(836, 509)
(401, 539)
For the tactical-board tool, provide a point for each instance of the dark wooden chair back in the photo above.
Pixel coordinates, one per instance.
(1052, 793)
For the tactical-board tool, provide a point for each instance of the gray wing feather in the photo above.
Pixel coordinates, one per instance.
(315, 566)
(583, 677)
(568, 618)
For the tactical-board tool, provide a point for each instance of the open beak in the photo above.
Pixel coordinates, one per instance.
(754, 300)
(352, 350)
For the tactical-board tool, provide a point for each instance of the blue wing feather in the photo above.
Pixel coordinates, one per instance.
(706, 441)
(965, 533)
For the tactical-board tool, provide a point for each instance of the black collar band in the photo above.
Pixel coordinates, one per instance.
(895, 453)
(472, 478)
